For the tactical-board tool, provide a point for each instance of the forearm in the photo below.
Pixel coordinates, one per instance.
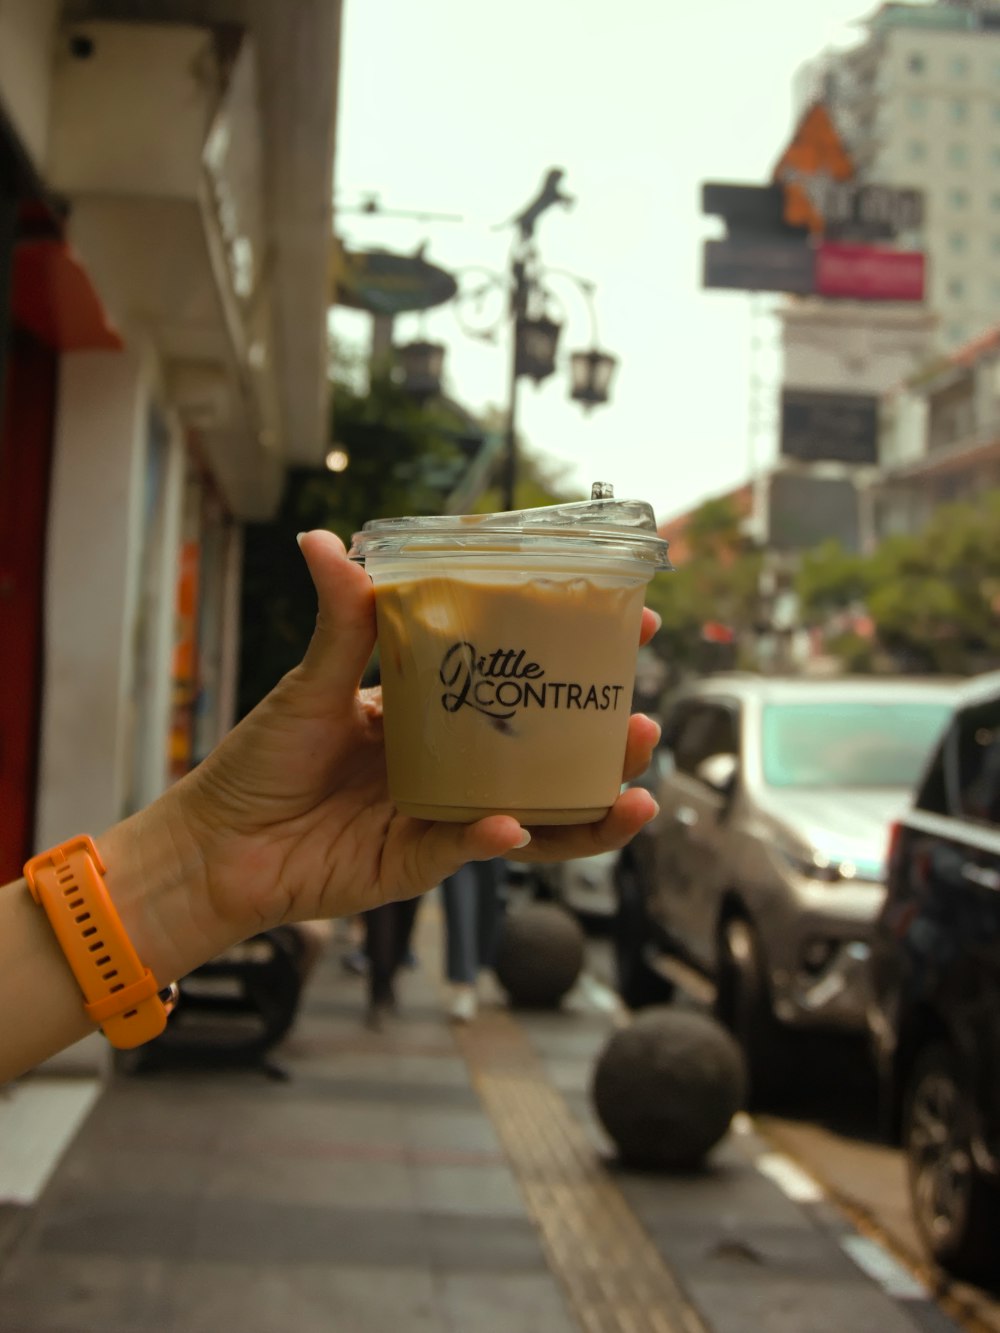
(156, 881)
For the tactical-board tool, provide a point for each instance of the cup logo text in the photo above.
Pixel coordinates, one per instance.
(500, 682)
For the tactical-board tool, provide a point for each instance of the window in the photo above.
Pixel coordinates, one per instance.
(956, 334)
(958, 198)
(848, 743)
(995, 243)
(958, 155)
(917, 150)
(958, 110)
(917, 107)
(916, 63)
(932, 796)
(959, 67)
(995, 202)
(957, 242)
(995, 155)
(975, 755)
(706, 729)
(995, 111)
(956, 288)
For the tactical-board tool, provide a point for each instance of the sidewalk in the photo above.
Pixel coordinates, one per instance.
(426, 1179)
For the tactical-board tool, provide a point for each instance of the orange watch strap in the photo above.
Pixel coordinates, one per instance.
(120, 993)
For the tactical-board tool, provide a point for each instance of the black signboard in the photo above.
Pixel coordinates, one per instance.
(804, 510)
(747, 208)
(829, 427)
(871, 209)
(748, 264)
(849, 210)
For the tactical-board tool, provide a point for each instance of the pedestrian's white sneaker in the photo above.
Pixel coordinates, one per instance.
(463, 1004)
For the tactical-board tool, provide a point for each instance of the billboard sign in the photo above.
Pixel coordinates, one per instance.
(876, 206)
(748, 263)
(849, 209)
(816, 155)
(384, 283)
(804, 510)
(829, 427)
(869, 272)
(747, 208)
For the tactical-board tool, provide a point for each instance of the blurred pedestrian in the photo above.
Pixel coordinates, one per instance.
(387, 944)
(473, 911)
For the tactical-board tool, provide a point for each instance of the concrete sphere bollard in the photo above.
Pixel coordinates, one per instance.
(666, 1087)
(539, 955)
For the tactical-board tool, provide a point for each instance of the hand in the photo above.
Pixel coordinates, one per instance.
(291, 814)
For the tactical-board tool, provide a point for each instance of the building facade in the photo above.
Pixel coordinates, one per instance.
(165, 215)
(941, 437)
(918, 105)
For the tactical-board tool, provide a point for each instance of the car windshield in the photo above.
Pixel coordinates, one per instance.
(848, 743)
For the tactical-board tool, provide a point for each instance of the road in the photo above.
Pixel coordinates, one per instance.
(830, 1132)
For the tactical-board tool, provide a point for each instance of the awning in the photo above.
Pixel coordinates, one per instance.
(53, 298)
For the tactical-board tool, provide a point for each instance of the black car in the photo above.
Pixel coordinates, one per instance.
(935, 1009)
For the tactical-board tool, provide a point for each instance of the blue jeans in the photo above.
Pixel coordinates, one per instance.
(473, 908)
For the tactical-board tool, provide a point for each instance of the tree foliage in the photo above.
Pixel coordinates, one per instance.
(404, 458)
(717, 582)
(933, 596)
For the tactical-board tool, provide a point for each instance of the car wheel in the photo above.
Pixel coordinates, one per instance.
(638, 984)
(743, 1004)
(956, 1210)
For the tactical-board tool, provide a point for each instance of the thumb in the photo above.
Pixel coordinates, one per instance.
(344, 636)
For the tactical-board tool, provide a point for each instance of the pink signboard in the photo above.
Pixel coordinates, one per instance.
(869, 273)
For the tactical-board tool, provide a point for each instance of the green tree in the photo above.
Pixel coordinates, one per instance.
(719, 580)
(404, 458)
(829, 579)
(935, 596)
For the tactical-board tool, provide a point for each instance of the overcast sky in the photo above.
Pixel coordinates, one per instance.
(460, 107)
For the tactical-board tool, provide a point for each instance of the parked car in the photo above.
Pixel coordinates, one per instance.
(764, 869)
(935, 1011)
(585, 884)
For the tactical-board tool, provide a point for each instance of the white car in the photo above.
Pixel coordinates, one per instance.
(585, 885)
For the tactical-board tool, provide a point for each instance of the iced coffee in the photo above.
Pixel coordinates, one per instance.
(507, 647)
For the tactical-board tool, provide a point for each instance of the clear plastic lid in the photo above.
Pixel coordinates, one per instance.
(601, 528)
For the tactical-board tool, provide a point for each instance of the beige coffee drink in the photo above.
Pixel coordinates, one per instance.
(507, 646)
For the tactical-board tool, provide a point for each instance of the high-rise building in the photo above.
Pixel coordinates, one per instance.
(918, 105)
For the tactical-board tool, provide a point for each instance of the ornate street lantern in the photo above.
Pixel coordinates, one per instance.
(591, 376)
(537, 344)
(421, 365)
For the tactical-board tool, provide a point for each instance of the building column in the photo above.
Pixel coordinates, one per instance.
(94, 537)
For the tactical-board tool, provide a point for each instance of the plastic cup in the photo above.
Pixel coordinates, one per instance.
(507, 648)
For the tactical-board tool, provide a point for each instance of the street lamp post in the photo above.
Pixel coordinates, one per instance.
(534, 334)
(534, 338)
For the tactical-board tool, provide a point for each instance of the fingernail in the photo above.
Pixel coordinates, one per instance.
(659, 621)
(656, 810)
(299, 539)
(523, 840)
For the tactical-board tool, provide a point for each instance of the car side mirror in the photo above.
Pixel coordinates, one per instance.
(718, 771)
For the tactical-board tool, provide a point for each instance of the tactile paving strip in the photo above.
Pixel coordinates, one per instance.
(613, 1276)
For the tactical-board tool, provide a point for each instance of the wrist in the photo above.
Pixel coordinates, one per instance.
(157, 880)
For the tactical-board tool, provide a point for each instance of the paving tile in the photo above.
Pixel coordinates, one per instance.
(514, 1304)
(45, 1293)
(396, 1091)
(790, 1306)
(216, 1298)
(470, 1191)
(448, 1131)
